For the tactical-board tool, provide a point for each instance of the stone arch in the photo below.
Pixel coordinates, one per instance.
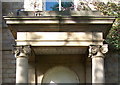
(60, 74)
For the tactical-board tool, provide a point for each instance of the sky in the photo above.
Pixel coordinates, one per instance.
(49, 5)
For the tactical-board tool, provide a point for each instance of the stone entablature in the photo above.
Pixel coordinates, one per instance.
(59, 24)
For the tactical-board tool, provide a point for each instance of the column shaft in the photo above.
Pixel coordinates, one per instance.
(21, 70)
(22, 54)
(98, 70)
(96, 52)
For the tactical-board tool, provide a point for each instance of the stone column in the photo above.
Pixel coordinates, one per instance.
(97, 54)
(22, 53)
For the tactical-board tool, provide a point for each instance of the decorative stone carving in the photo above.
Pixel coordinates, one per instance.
(22, 51)
(98, 50)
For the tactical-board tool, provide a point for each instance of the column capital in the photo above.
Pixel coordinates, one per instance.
(98, 50)
(22, 51)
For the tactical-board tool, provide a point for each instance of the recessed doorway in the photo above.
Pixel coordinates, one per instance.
(60, 74)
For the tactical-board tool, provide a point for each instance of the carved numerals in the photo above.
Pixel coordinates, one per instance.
(95, 49)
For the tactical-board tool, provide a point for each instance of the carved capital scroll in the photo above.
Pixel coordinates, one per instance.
(98, 50)
(22, 51)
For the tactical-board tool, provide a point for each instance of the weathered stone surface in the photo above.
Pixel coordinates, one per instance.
(11, 7)
(7, 39)
(8, 80)
(112, 67)
(31, 74)
(0, 42)
(59, 38)
(88, 69)
(8, 67)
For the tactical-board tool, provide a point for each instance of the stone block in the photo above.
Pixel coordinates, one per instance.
(8, 71)
(13, 66)
(7, 35)
(8, 56)
(8, 80)
(9, 66)
(9, 61)
(12, 75)
(59, 38)
(5, 75)
(5, 66)
(112, 67)
(7, 39)
(7, 52)
(0, 71)
(11, 7)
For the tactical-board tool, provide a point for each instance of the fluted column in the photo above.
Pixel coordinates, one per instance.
(22, 54)
(97, 54)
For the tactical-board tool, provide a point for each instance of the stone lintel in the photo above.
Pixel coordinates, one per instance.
(59, 38)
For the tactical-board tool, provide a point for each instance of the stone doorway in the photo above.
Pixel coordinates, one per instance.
(60, 69)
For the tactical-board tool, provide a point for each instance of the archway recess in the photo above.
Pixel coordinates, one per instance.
(60, 74)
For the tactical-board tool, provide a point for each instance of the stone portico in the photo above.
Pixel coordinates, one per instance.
(47, 42)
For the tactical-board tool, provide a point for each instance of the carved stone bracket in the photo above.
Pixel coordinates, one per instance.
(22, 51)
(98, 50)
